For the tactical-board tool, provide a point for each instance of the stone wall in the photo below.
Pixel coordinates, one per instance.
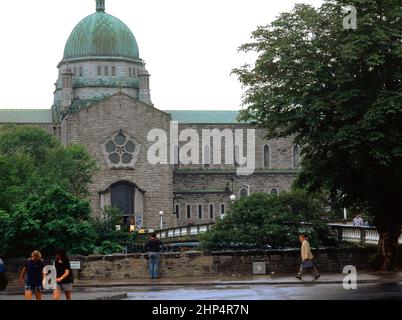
(199, 264)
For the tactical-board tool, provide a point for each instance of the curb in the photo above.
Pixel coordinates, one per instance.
(228, 283)
(119, 296)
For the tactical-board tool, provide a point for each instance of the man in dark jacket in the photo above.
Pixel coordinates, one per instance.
(153, 247)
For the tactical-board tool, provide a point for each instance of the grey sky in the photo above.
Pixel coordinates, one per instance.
(190, 46)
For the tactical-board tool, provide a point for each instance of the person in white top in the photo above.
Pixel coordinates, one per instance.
(358, 221)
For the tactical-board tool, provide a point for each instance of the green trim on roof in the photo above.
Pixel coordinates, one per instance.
(183, 117)
(29, 116)
(204, 117)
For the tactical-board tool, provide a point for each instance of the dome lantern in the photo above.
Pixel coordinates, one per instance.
(100, 5)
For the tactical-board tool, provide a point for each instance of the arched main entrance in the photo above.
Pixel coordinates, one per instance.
(122, 196)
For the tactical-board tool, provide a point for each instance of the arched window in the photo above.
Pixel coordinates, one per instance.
(211, 211)
(243, 193)
(81, 71)
(122, 198)
(266, 157)
(206, 159)
(296, 156)
(274, 192)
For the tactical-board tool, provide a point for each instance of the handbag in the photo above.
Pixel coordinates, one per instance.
(307, 264)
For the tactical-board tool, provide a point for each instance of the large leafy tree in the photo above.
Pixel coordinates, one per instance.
(32, 160)
(263, 220)
(338, 93)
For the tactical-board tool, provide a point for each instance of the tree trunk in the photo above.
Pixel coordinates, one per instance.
(389, 231)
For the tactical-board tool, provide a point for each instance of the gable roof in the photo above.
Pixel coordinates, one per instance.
(32, 116)
(29, 116)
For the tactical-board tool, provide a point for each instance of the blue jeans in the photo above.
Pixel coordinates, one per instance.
(154, 258)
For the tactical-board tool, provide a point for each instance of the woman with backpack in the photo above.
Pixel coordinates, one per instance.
(64, 280)
(33, 270)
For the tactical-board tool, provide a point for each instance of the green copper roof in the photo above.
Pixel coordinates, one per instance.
(204, 117)
(25, 116)
(190, 117)
(101, 34)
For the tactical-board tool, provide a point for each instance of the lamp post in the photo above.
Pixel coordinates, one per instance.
(161, 215)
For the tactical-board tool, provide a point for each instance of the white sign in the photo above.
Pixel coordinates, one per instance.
(75, 265)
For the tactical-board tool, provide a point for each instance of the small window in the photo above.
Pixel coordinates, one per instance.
(274, 192)
(207, 156)
(113, 71)
(129, 72)
(243, 193)
(266, 157)
(99, 71)
(236, 156)
(188, 211)
(177, 211)
(81, 72)
(176, 155)
(106, 71)
(211, 211)
(200, 211)
(223, 209)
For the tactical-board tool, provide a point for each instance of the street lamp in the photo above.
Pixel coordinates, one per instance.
(232, 198)
(161, 215)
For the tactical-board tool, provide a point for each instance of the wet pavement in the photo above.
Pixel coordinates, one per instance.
(377, 291)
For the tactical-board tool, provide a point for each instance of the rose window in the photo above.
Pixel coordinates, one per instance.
(120, 151)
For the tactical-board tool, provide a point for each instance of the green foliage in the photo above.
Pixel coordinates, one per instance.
(264, 220)
(54, 220)
(338, 92)
(32, 161)
(43, 186)
(109, 240)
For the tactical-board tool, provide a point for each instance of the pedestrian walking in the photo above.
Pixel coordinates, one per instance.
(33, 272)
(307, 259)
(153, 247)
(3, 277)
(64, 280)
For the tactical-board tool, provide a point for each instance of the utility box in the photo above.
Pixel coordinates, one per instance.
(259, 268)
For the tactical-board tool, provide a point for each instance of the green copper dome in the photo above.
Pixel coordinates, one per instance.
(101, 34)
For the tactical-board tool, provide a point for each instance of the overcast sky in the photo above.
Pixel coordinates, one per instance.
(190, 46)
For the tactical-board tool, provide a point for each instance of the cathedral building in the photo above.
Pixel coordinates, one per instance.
(102, 100)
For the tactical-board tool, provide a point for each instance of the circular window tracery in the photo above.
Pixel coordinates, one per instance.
(120, 150)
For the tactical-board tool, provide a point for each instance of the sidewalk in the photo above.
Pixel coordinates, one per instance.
(81, 286)
(244, 280)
